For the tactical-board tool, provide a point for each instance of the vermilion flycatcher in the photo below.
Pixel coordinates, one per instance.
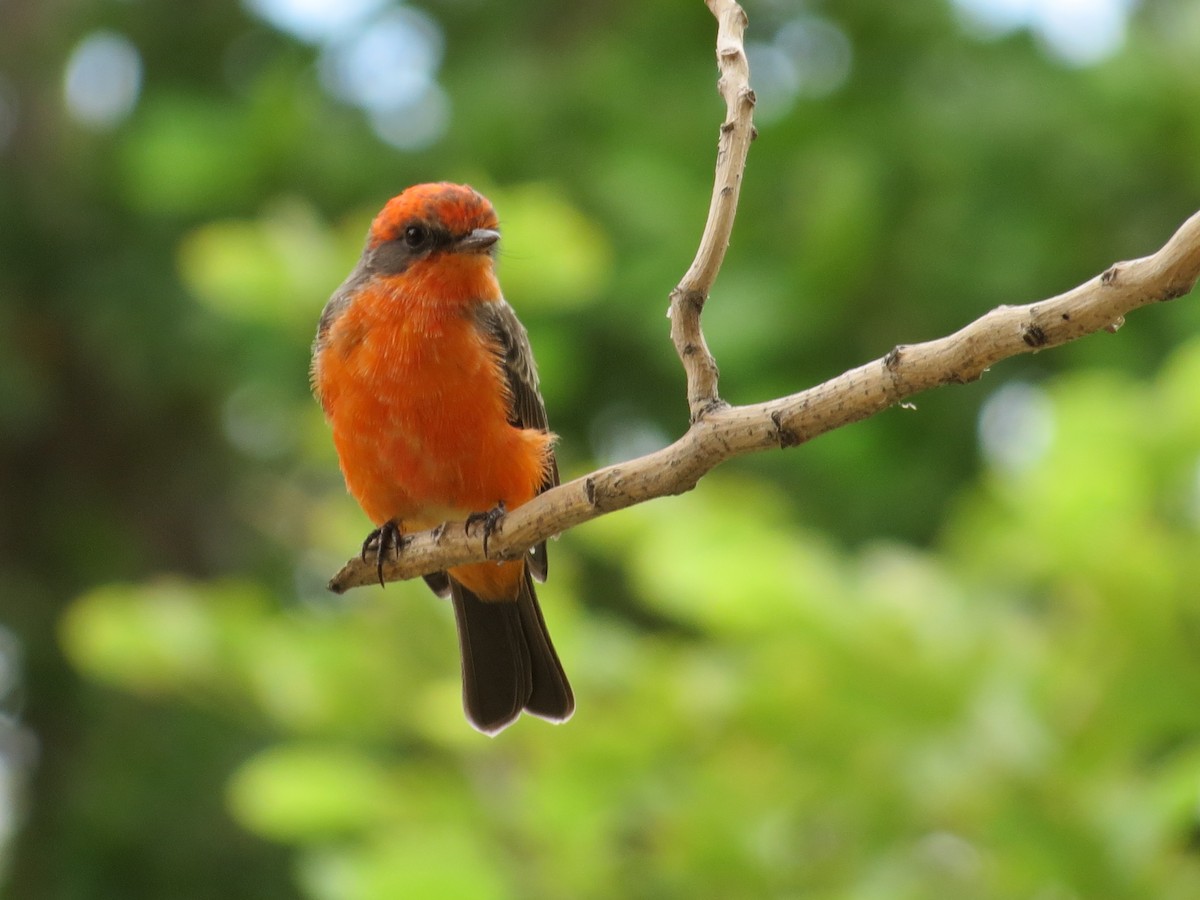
(428, 382)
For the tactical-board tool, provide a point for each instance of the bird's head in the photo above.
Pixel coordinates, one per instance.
(431, 219)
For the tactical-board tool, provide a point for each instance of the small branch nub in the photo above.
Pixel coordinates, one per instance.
(784, 436)
(1034, 336)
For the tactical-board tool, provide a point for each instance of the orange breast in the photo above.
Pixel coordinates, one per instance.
(418, 404)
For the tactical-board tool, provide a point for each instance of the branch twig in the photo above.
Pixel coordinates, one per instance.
(737, 131)
(720, 432)
(1097, 305)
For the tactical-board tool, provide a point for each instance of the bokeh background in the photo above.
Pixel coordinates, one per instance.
(953, 651)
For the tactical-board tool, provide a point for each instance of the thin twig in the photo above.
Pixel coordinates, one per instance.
(737, 131)
(1097, 305)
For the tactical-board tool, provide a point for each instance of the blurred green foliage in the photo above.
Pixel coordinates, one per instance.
(945, 653)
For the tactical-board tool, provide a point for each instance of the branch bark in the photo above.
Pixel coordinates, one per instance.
(737, 131)
(720, 432)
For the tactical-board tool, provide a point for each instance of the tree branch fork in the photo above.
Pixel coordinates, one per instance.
(719, 432)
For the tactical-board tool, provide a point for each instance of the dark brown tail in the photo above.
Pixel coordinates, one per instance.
(508, 662)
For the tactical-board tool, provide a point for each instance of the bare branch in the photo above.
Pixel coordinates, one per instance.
(719, 432)
(737, 131)
(725, 432)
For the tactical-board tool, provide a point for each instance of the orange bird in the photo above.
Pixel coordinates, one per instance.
(428, 382)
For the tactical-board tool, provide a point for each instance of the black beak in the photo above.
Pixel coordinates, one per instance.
(481, 240)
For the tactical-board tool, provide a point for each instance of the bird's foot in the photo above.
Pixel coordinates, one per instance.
(387, 538)
(490, 520)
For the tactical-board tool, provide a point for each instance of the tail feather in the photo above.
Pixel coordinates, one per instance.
(508, 662)
(551, 697)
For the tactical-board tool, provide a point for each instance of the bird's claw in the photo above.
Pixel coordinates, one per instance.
(490, 520)
(386, 538)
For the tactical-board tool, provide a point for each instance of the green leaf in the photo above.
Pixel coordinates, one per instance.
(305, 792)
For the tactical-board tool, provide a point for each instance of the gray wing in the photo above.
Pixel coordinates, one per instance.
(500, 323)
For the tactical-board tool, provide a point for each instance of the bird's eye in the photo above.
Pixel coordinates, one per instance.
(416, 236)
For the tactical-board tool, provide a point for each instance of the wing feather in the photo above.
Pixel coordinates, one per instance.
(527, 410)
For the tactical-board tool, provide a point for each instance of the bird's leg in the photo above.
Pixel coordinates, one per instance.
(490, 520)
(387, 537)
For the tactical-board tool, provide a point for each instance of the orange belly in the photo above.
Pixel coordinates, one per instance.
(418, 405)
